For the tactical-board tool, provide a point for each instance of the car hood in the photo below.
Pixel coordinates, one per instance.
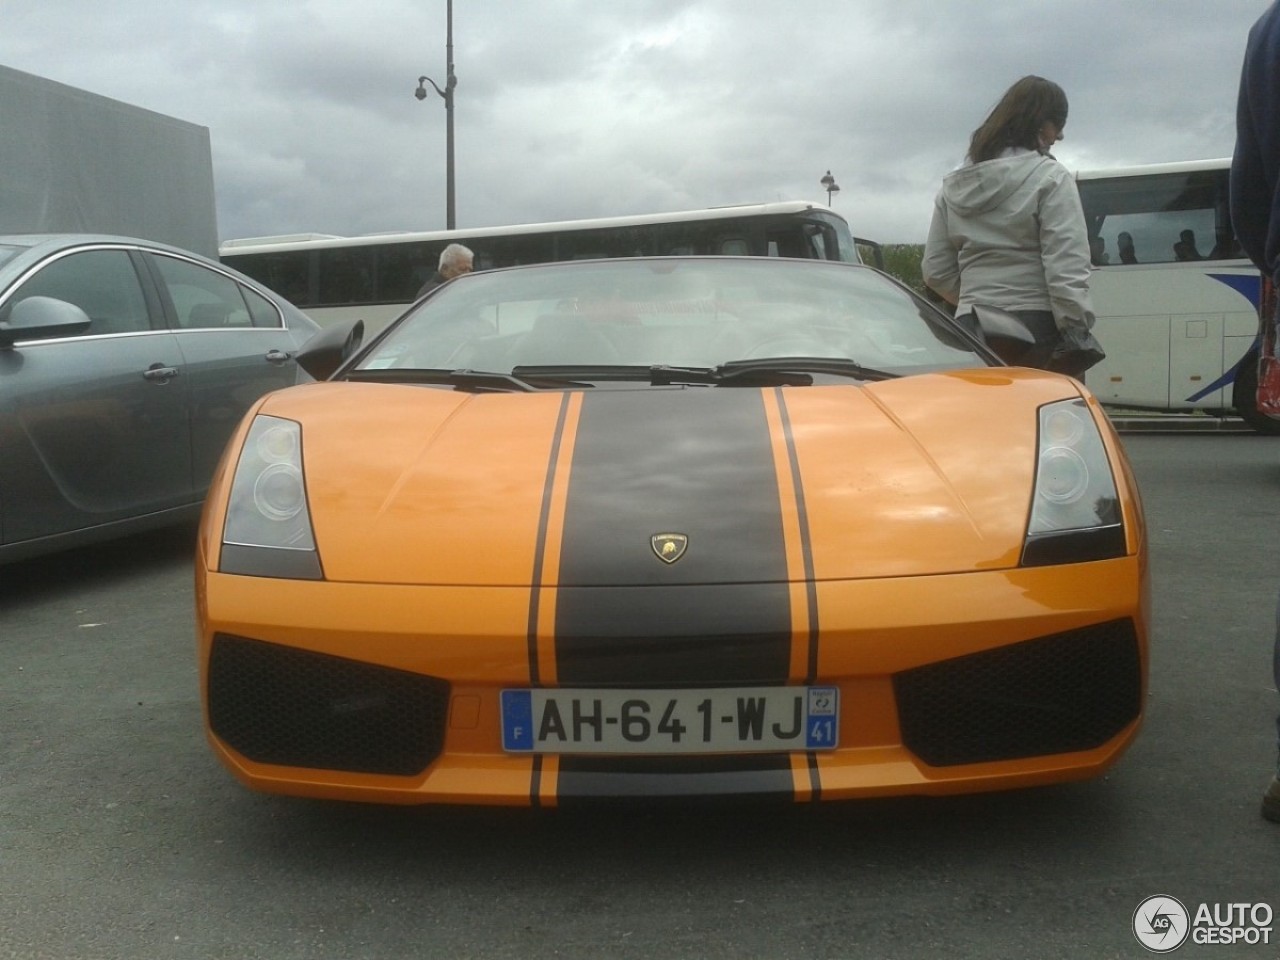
(922, 475)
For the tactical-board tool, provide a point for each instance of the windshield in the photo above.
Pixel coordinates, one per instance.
(694, 312)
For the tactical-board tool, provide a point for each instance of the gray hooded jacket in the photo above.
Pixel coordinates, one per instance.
(1010, 233)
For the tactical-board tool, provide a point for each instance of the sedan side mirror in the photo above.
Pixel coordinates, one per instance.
(329, 349)
(41, 317)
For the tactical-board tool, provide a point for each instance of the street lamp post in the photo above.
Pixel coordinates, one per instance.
(446, 94)
(829, 184)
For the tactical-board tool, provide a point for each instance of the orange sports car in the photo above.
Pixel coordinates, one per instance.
(670, 527)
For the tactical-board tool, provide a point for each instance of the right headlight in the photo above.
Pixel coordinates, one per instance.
(268, 527)
(1075, 511)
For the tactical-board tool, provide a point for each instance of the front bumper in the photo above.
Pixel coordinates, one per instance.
(949, 684)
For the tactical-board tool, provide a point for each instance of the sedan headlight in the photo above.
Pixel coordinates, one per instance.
(1075, 511)
(268, 528)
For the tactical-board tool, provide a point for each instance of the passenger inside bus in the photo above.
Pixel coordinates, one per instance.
(1185, 248)
(1225, 247)
(1125, 243)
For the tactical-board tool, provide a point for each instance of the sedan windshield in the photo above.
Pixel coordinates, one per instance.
(689, 313)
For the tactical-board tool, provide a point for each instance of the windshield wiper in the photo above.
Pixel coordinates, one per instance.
(763, 372)
(479, 381)
(663, 375)
(769, 371)
(839, 366)
(568, 373)
(724, 375)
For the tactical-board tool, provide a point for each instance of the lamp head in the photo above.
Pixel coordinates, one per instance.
(421, 92)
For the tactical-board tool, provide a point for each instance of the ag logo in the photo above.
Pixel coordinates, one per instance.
(669, 547)
(1161, 924)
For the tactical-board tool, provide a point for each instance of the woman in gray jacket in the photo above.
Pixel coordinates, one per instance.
(1008, 230)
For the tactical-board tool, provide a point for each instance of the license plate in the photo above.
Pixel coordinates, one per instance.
(716, 720)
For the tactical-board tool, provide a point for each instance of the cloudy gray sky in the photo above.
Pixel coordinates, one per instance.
(584, 108)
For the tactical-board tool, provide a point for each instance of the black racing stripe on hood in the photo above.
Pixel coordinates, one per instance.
(696, 462)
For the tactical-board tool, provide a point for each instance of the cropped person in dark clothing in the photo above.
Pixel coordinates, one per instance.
(1255, 215)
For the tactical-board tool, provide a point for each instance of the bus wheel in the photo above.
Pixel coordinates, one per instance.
(1245, 397)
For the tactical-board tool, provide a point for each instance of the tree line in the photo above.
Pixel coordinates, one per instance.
(902, 262)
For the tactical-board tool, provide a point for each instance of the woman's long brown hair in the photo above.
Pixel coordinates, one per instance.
(1018, 117)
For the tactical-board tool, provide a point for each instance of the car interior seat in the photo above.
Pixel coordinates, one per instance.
(208, 315)
(565, 338)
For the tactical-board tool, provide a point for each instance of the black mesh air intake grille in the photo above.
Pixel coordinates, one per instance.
(1056, 694)
(278, 704)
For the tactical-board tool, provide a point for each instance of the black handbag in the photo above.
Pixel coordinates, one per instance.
(1076, 351)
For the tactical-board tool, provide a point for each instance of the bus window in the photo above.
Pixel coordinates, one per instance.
(821, 241)
(403, 268)
(511, 251)
(1168, 218)
(786, 241)
(346, 275)
(810, 239)
(288, 274)
(601, 244)
(708, 237)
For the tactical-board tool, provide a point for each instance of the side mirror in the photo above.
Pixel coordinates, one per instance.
(329, 349)
(40, 317)
(1006, 335)
(870, 252)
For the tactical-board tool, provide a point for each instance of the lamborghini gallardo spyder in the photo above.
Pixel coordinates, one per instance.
(671, 527)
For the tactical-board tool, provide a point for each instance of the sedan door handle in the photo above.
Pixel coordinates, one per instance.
(278, 356)
(159, 373)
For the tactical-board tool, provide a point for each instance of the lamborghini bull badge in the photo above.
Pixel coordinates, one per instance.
(669, 547)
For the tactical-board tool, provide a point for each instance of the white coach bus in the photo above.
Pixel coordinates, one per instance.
(1176, 298)
(376, 277)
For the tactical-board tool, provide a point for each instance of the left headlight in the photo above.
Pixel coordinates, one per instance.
(1075, 511)
(268, 527)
